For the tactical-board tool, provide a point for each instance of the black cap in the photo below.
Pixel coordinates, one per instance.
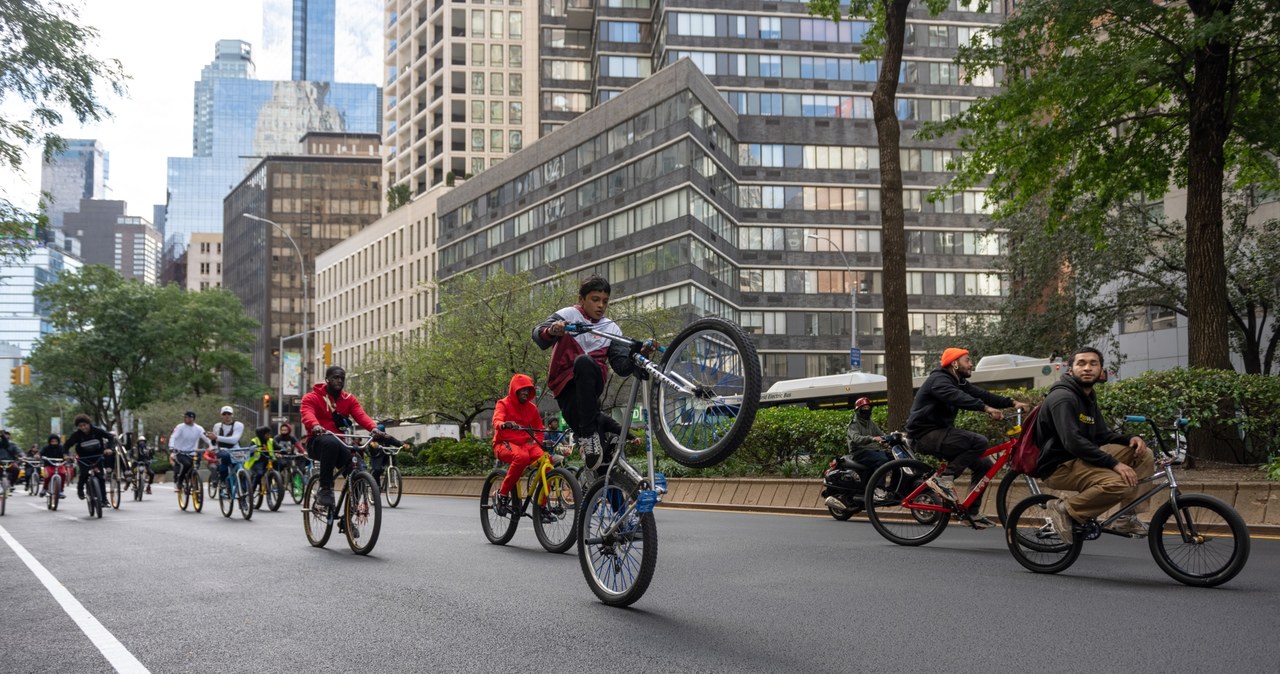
(189, 413)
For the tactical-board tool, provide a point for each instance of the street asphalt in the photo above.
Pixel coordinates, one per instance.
(733, 592)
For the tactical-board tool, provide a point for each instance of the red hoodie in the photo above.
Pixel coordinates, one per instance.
(511, 409)
(318, 408)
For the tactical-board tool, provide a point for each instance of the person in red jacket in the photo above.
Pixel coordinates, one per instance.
(516, 448)
(327, 409)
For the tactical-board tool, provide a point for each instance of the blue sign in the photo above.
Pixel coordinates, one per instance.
(855, 357)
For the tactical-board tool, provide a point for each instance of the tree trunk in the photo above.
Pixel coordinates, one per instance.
(893, 240)
(1205, 260)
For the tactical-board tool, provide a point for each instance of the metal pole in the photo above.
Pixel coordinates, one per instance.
(853, 293)
(280, 397)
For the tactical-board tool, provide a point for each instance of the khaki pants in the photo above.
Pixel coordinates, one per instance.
(1100, 488)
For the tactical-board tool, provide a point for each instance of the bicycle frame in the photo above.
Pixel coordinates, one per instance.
(1005, 454)
(1161, 479)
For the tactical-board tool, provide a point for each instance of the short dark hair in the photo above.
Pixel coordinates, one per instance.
(1087, 349)
(82, 418)
(594, 283)
(332, 370)
(263, 430)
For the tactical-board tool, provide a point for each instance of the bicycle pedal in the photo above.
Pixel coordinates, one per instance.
(646, 499)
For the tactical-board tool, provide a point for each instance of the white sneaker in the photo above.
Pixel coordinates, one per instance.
(944, 486)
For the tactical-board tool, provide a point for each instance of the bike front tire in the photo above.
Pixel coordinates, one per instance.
(245, 495)
(497, 528)
(702, 428)
(275, 490)
(619, 569)
(1214, 548)
(315, 521)
(394, 486)
(362, 512)
(95, 497)
(55, 488)
(197, 495)
(114, 491)
(887, 508)
(561, 508)
(223, 489)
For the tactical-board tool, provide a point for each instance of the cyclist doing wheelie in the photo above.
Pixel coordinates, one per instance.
(515, 448)
(931, 426)
(54, 450)
(580, 364)
(326, 409)
(89, 442)
(184, 447)
(1079, 453)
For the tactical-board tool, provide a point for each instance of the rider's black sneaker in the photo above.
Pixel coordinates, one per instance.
(548, 517)
(503, 505)
(325, 498)
(80, 494)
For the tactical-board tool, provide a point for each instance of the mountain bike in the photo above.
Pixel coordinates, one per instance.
(358, 507)
(911, 513)
(390, 481)
(34, 476)
(59, 478)
(699, 402)
(552, 491)
(293, 478)
(1196, 539)
(187, 486)
(114, 478)
(267, 485)
(139, 477)
(96, 485)
(4, 484)
(237, 488)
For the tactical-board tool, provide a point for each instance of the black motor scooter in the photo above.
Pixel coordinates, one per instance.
(844, 479)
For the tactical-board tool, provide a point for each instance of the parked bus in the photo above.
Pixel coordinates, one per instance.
(839, 391)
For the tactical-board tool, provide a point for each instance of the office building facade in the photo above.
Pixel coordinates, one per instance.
(313, 40)
(318, 200)
(78, 171)
(109, 236)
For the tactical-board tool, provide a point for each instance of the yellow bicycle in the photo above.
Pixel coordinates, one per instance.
(553, 492)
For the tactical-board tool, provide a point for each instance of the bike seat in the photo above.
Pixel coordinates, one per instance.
(847, 462)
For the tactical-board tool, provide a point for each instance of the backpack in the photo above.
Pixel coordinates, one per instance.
(1026, 453)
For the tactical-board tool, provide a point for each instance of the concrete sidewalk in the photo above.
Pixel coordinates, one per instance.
(1257, 502)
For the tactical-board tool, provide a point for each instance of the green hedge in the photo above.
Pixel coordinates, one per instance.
(790, 441)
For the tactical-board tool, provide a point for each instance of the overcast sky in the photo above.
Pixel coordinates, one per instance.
(163, 45)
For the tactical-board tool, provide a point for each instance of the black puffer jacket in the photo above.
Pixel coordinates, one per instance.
(941, 397)
(1070, 426)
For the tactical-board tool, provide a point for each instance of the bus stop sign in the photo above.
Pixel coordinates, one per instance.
(855, 357)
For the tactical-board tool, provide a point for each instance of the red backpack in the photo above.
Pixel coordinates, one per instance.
(1026, 453)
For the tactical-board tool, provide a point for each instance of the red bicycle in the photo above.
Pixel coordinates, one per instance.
(909, 512)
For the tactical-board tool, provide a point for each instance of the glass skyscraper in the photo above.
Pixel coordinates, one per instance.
(239, 120)
(78, 172)
(313, 37)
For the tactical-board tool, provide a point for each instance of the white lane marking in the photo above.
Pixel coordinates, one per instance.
(110, 647)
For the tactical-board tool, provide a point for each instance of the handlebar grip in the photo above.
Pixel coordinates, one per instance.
(576, 328)
(1135, 418)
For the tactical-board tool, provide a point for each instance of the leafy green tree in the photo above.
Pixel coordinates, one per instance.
(32, 409)
(45, 71)
(397, 196)
(1109, 100)
(885, 39)
(121, 344)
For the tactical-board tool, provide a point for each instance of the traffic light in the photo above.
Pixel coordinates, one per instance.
(26, 374)
(15, 375)
(266, 401)
(328, 354)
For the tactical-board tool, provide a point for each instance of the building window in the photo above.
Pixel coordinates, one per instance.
(516, 109)
(517, 141)
(495, 84)
(515, 84)
(516, 52)
(477, 140)
(770, 28)
(515, 29)
(495, 55)
(477, 23)
(495, 112)
(477, 83)
(495, 140)
(477, 54)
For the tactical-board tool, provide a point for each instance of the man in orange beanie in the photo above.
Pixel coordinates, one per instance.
(931, 425)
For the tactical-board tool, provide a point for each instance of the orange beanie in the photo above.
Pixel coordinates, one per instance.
(953, 354)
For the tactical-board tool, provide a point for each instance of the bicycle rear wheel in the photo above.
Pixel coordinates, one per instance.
(498, 528)
(184, 492)
(363, 512)
(315, 519)
(1014, 487)
(4, 494)
(197, 495)
(297, 486)
(889, 508)
(213, 481)
(139, 484)
(704, 427)
(618, 567)
(1034, 542)
(553, 521)
(394, 486)
(245, 493)
(1213, 548)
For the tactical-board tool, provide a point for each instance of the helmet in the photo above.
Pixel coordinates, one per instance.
(862, 402)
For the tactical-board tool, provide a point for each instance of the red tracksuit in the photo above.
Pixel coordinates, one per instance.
(516, 447)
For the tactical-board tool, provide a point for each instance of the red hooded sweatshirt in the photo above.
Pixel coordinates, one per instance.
(511, 409)
(318, 408)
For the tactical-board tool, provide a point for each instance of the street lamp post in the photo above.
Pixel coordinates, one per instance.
(853, 295)
(306, 299)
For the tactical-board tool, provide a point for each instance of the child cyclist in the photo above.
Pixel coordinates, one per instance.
(579, 365)
(516, 448)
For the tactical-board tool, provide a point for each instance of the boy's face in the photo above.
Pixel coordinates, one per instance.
(594, 304)
(524, 394)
